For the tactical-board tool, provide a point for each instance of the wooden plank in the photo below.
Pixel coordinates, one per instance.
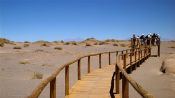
(94, 85)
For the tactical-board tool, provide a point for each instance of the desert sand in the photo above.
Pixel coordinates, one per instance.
(21, 70)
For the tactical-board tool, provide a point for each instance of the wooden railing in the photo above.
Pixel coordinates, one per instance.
(119, 54)
(122, 70)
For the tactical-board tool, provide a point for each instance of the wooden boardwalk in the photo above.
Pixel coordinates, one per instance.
(97, 83)
(94, 85)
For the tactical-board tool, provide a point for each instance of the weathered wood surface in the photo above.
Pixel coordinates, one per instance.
(94, 85)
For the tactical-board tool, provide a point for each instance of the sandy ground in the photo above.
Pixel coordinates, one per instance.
(149, 75)
(16, 78)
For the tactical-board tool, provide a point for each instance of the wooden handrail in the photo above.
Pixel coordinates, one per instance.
(52, 78)
(137, 87)
(37, 91)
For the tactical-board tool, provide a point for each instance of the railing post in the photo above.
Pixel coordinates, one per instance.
(125, 83)
(144, 54)
(116, 56)
(141, 53)
(117, 79)
(89, 64)
(79, 69)
(53, 88)
(150, 51)
(99, 60)
(126, 53)
(130, 58)
(135, 54)
(67, 80)
(109, 58)
(122, 55)
(159, 49)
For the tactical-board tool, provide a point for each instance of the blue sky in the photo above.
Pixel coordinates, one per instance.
(32, 20)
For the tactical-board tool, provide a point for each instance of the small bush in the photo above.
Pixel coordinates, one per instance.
(46, 65)
(37, 75)
(17, 47)
(87, 44)
(58, 48)
(102, 43)
(1, 44)
(67, 43)
(123, 45)
(74, 43)
(26, 45)
(45, 44)
(115, 44)
(24, 62)
(172, 47)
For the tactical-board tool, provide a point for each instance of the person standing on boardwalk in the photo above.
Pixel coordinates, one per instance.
(142, 39)
(133, 41)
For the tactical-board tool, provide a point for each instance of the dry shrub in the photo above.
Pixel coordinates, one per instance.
(102, 43)
(58, 48)
(88, 44)
(46, 65)
(44, 44)
(24, 62)
(37, 75)
(172, 47)
(74, 43)
(115, 44)
(123, 45)
(17, 47)
(1, 44)
(67, 43)
(26, 45)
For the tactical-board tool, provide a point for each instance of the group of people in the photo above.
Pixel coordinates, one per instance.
(145, 40)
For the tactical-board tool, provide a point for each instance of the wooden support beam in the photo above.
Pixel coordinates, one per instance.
(99, 60)
(79, 69)
(122, 54)
(125, 83)
(53, 88)
(89, 64)
(67, 80)
(109, 58)
(116, 56)
(117, 80)
(159, 50)
(126, 53)
(135, 55)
